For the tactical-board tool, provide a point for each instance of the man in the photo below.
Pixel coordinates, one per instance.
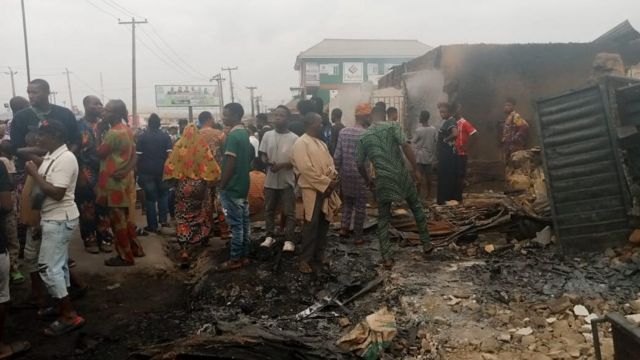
(89, 164)
(465, 131)
(381, 105)
(424, 140)
(236, 164)
(56, 175)
(6, 208)
(382, 144)
(16, 104)
(262, 124)
(516, 130)
(392, 114)
(446, 152)
(317, 180)
(153, 148)
(215, 138)
(336, 119)
(275, 151)
(296, 125)
(28, 120)
(352, 185)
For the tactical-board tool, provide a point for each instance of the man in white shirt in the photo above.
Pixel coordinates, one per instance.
(275, 151)
(424, 140)
(56, 177)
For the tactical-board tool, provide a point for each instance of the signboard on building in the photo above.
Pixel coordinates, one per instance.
(187, 95)
(329, 69)
(311, 74)
(352, 72)
(372, 70)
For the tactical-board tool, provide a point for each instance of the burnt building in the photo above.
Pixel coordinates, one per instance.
(480, 76)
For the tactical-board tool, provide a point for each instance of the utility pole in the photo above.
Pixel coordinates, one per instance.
(258, 100)
(53, 93)
(218, 77)
(101, 89)
(26, 46)
(66, 71)
(251, 89)
(134, 105)
(13, 84)
(230, 69)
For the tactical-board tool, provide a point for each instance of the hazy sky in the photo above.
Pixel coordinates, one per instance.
(261, 37)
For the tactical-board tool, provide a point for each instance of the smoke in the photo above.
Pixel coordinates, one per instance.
(424, 90)
(348, 97)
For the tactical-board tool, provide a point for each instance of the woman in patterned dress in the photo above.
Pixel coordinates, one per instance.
(193, 167)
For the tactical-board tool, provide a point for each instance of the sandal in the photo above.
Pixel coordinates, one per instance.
(388, 264)
(184, 256)
(58, 327)
(141, 232)
(229, 265)
(17, 278)
(305, 268)
(17, 348)
(427, 249)
(344, 233)
(246, 261)
(50, 312)
(359, 242)
(117, 261)
(91, 246)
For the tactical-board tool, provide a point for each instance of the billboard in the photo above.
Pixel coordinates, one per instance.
(187, 95)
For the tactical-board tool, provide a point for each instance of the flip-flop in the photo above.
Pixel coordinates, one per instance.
(117, 261)
(17, 348)
(229, 265)
(58, 327)
(50, 312)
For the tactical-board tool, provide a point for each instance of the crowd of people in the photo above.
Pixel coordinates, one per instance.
(59, 174)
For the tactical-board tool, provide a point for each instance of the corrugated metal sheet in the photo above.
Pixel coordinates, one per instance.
(628, 99)
(588, 198)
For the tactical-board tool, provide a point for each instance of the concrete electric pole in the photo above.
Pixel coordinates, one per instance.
(134, 104)
(13, 84)
(253, 111)
(230, 69)
(26, 45)
(66, 71)
(53, 94)
(219, 79)
(101, 89)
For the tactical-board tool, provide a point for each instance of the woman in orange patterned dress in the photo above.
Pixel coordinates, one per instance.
(193, 167)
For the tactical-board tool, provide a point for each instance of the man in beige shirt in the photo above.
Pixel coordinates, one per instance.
(317, 179)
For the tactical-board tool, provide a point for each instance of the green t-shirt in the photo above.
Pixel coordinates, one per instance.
(237, 144)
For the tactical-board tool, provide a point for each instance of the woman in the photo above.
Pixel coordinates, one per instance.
(56, 175)
(192, 166)
(117, 152)
(447, 158)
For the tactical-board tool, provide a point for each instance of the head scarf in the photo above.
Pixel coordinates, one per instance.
(191, 158)
(363, 109)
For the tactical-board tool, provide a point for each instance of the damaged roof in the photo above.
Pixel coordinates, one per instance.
(363, 48)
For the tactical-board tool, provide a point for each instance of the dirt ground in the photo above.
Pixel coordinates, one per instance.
(461, 303)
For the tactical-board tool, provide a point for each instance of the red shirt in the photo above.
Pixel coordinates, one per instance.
(465, 129)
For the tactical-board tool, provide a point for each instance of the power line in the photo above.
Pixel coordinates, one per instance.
(155, 31)
(121, 8)
(102, 10)
(84, 83)
(168, 56)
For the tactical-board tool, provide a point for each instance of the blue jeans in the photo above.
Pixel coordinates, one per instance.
(54, 255)
(155, 191)
(236, 214)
